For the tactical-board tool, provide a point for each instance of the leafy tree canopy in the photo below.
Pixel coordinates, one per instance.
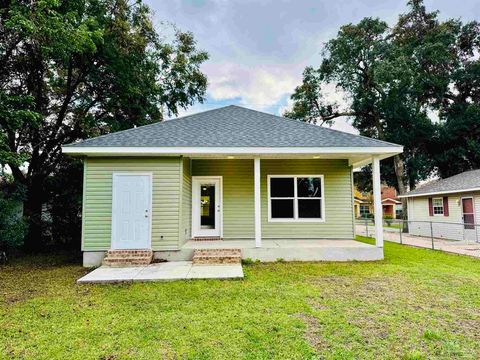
(395, 79)
(80, 68)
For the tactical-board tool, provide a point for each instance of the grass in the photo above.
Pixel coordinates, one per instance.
(416, 304)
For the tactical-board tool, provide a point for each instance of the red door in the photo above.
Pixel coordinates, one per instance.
(467, 211)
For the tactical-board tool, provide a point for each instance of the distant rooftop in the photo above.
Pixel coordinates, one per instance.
(466, 181)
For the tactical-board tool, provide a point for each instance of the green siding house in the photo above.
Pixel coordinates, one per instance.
(230, 177)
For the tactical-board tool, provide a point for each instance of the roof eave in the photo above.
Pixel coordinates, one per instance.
(430, 193)
(173, 151)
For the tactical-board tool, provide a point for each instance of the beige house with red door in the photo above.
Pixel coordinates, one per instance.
(452, 205)
(391, 203)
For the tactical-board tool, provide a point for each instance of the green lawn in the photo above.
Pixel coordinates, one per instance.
(416, 304)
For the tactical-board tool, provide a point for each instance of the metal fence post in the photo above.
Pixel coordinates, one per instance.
(401, 230)
(431, 233)
(366, 225)
(476, 233)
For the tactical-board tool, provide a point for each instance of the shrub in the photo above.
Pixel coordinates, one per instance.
(13, 226)
(247, 261)
(388, 219)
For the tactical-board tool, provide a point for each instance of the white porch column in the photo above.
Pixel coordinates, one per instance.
(258, 207)
(377, 202)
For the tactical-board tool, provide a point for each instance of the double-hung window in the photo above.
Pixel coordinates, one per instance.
(295, 198)
(437, 204)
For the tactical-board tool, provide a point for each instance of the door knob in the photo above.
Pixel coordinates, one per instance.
(146, 213)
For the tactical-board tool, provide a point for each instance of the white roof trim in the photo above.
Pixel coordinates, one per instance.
(110, 150)
(440, 192)
(395, 201)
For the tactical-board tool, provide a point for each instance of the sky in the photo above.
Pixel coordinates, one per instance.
(259, 49)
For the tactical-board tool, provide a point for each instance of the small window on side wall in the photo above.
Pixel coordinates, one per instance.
(437, 204)
(295, 198)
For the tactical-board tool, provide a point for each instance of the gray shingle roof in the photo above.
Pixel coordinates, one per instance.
(457, 183)
(231, 126)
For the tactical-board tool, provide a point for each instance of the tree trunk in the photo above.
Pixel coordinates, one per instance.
(32, 210)
(399, 167)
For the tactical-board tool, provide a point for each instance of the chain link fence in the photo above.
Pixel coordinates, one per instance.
(464, 237)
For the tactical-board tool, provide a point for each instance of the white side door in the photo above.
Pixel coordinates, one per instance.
(131, 211)
(206, 206)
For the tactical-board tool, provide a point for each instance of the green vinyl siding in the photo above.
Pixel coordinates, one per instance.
(238, 219)
(97, 207)
(238, 204)
(185, 232)
(171, 198)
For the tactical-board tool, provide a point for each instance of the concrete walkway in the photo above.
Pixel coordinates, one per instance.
(452, 246)
(167, 271)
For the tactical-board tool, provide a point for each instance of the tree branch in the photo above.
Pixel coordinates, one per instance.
(339, 114)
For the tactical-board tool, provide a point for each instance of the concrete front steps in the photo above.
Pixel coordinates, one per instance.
(128, 257)
(217, 256)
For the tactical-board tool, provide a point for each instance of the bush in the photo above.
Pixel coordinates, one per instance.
(388, 219)
(62, 212)
(13, 226)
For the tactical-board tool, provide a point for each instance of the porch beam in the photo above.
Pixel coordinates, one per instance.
(377, 202)
(258, 208)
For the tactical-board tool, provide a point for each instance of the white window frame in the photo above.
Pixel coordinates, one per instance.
(433, 206)
(295, 199)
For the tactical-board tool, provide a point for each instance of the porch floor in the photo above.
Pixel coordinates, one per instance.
(295, 249)
(277, 243)
(167, 271)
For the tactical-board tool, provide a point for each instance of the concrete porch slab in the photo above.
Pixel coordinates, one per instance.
(168, 271)
(291, 249)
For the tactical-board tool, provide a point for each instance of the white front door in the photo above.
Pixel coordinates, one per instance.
(206, 206)
(131, 211)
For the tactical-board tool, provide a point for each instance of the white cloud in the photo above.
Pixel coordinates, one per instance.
(257, 87)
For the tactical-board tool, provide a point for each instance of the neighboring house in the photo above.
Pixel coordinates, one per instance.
(453, 204)
(257, 180)
(362, 204)
(391, 203)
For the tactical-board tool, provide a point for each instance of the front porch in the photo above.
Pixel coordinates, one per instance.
(284, 249)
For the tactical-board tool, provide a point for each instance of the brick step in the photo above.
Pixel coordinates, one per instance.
(128, 257)
(218, 252)
(125, 262)
(207, 238)
(130, 252)
(216, 256)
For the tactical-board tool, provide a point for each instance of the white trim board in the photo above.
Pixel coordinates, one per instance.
(390, 199)
(140, 150)
(439, 193)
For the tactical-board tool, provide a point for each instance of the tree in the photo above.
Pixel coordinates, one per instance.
(12, 225)
(393, 78)
(80, 68)
(457, 146)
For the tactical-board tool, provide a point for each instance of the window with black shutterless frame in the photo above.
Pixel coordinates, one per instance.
(296, 198)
